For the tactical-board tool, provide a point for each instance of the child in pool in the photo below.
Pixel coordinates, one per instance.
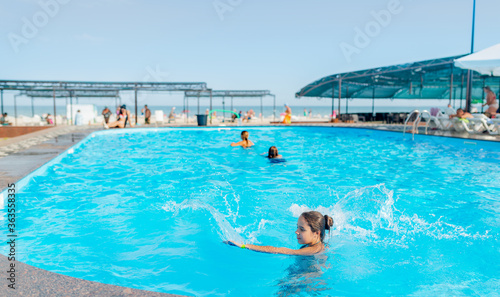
(273, 153)
(310, 232)
(244, 141)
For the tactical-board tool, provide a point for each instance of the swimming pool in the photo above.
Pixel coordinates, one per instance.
(149, 209)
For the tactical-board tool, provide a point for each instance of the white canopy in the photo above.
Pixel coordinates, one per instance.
(486, 62)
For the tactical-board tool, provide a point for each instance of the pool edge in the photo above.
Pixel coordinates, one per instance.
(33, 281)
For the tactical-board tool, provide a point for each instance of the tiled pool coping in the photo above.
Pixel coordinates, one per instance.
(32, 281)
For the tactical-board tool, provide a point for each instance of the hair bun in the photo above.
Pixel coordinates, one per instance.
(328, 222)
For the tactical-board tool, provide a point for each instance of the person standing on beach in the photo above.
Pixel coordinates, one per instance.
(491, 101)
(78, 118)
(107, 114)
(288, 115)
(147, 115)
(4, 120)
(234, 116)
(249, 115)
(171, 115)
(49, 119)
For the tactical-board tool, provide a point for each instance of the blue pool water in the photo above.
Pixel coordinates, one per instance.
(150, 209)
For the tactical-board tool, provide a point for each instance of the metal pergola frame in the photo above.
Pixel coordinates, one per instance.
(430, 79)
(229, 93)
(78, 93)
(88, 86)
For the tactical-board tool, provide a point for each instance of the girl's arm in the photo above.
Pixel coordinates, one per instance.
(307, 251)
(237, 143)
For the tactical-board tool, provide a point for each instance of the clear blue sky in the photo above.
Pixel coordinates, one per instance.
(230, 44)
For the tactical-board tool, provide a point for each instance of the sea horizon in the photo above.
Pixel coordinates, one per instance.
(297, 110)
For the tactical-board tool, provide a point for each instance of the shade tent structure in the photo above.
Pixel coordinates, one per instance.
(71, 93)
(82, 93)
(485, 62)
(231, 94)
(429, 79)
(84, 86)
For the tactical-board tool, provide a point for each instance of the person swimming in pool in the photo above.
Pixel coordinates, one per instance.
(244, 141)
(273, 153)
(311, 228)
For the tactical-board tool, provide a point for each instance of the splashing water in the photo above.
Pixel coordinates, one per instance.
(369, 214)
(225, 230)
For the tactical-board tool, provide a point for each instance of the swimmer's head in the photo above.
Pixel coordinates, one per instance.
(316, 223)
(244, 135)
(273, 152)
(460, 112)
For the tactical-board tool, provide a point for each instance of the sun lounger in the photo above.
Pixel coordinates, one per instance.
(444, 121)
(496, 123)
(478, 124)
(461, 125)
(432, 121)
(483, 123)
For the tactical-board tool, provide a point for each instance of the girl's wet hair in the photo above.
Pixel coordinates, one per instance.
(318, 222)
(244, 136)
(273, 152)
(488, 88)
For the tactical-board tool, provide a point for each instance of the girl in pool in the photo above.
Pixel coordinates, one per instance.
(273, 153)
(244, 141)
(310, 233)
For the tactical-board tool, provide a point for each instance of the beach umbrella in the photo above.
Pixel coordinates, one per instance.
(486, 62)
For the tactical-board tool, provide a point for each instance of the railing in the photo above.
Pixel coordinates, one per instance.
(417, 121)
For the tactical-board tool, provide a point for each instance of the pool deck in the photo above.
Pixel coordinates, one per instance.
(21, 155)
(32, 281)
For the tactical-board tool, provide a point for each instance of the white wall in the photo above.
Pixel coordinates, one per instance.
(88, 111)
